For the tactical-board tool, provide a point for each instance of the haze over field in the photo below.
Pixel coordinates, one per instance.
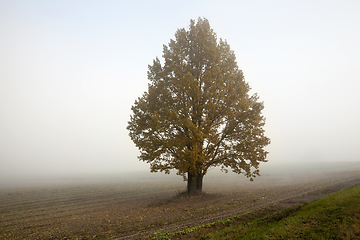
(70, 72)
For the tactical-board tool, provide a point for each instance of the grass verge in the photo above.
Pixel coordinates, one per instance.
(336, 216)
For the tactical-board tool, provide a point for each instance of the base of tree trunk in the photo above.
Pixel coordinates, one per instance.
(194, 184)
(199, 183)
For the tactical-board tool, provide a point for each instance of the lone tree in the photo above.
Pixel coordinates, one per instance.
(197, 113)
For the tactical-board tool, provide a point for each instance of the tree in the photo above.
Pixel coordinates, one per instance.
(197, 113)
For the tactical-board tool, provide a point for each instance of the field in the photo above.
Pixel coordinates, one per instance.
(138, 207)
(336, 216)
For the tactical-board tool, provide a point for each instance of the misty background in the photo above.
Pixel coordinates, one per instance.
(70, 72)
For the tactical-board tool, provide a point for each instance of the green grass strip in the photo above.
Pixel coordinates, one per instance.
(336, 216)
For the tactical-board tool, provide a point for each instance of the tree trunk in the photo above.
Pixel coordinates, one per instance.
(199, 183)
(192, 184)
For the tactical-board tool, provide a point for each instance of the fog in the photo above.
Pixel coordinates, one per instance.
(70, 72)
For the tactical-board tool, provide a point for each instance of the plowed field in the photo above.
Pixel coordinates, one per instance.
(120, 209)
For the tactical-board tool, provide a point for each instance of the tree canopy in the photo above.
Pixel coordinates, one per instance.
(197, 113)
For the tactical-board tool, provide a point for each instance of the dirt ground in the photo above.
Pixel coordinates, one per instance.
(230, 200)
(136, 210)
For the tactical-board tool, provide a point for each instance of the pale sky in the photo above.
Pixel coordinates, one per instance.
(71, 70)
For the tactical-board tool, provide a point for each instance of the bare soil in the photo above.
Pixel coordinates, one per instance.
(136, 210)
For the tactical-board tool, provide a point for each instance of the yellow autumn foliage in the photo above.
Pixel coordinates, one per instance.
(197, 112)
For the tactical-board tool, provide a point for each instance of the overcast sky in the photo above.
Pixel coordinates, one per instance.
(71, 70)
